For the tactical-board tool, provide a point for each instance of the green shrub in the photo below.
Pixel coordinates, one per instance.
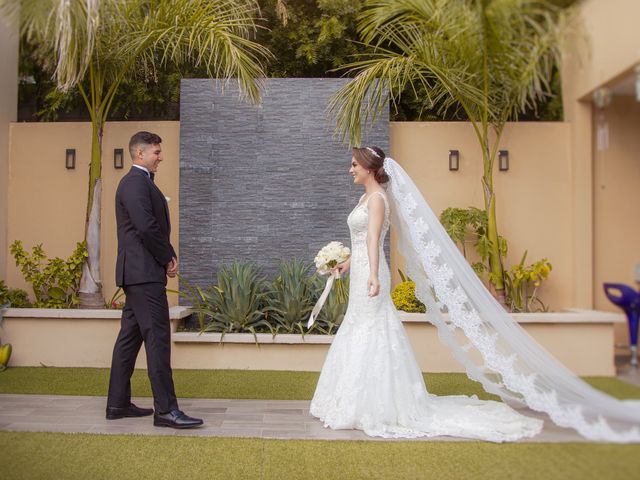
(199, 300)
(334, 308)
(55, 281)
(404, 298)
(116, 302)
(243, 301)
(522, 283)
(13, 297)
(291, 297)
(237, 304)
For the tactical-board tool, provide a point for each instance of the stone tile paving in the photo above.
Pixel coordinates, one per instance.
(284, 419)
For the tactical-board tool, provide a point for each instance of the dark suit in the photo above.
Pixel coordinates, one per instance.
(144, 249)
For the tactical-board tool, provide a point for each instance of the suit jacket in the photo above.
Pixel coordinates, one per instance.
(142, 217)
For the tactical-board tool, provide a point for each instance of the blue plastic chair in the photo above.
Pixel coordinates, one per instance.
(628, 299)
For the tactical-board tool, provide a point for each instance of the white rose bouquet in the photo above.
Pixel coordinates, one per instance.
(331, 255)
(326, 260)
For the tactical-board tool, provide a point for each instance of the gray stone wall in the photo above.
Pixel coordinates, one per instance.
(262, 183)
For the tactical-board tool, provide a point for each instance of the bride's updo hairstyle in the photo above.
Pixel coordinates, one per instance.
(372, 158)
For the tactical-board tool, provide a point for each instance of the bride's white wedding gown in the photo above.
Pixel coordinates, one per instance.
(371, 380)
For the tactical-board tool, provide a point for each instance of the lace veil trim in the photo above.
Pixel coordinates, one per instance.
(493, 348)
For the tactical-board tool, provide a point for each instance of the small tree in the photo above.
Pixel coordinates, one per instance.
(492, 59)
(95, 45)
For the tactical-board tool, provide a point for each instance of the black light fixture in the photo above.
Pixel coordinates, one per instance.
(70, 159)
(118, 158)
(503, 160)
(454, 160)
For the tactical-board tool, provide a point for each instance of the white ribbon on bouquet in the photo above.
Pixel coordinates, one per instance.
(325, 293)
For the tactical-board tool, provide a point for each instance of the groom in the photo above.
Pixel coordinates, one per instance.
(145, 259)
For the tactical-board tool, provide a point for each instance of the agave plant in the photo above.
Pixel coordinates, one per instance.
(333, 310)
(199, 300)
(237, 303)
(291, 297)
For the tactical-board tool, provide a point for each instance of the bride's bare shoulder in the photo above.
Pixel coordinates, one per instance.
(376, 202)
(379, 197)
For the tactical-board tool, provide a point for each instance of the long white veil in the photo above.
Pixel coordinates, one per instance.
(493, 348)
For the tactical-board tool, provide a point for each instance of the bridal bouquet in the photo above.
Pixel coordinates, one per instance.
(331, 255)
(327, 258)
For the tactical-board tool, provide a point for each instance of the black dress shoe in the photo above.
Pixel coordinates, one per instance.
(114, 413)
(175, 419)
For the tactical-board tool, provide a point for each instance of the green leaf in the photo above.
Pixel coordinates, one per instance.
(56, 293)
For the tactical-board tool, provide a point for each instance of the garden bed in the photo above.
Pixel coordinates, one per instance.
(583, 340)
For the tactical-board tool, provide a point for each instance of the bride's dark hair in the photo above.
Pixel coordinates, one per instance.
(372, 158)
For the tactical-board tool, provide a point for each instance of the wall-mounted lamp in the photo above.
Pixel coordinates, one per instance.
(118, 158)
(503, 160)
(601, 100)
(70, 159)
(602, 97)
(454, 160)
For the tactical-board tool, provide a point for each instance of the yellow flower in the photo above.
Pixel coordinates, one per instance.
(404, 298)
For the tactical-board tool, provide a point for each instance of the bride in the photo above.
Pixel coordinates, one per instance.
(371, 380)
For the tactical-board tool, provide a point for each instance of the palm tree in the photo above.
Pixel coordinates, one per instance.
(95, 45)
(491, 59)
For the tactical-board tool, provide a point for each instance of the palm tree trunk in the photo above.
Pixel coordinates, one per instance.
(91, 281)
(99, 105)
(495, 260)
(496, 278)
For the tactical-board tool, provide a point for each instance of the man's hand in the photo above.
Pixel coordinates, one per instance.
(172, 268)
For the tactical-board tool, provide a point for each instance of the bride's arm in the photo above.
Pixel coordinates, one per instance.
(376, 219)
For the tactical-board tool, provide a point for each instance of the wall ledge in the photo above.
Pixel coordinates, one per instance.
(175, 313)
(572, 315)
(582, 340)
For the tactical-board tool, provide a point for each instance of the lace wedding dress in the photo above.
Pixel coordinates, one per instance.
(371, 380)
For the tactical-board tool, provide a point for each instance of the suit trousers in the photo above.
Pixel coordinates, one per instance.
(145, 318)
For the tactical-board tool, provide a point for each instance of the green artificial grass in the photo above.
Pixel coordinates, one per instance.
(36, 456)
(240, 384)
(79, 456)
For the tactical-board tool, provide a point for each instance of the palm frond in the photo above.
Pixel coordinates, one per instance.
(492, 59)
(215, 35)
(64, 33)
(118, 37)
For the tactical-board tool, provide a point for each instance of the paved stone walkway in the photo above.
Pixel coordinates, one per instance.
(284, 419)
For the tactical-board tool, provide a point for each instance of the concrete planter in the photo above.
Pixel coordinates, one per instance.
(581, 339)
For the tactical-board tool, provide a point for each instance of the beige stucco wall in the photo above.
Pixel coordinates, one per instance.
(604, 48)
(616, 173)
(8, 111)
(533, 197)
(47, 202)
(88, 342)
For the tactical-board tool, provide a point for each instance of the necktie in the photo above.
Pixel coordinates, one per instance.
(151, 176)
